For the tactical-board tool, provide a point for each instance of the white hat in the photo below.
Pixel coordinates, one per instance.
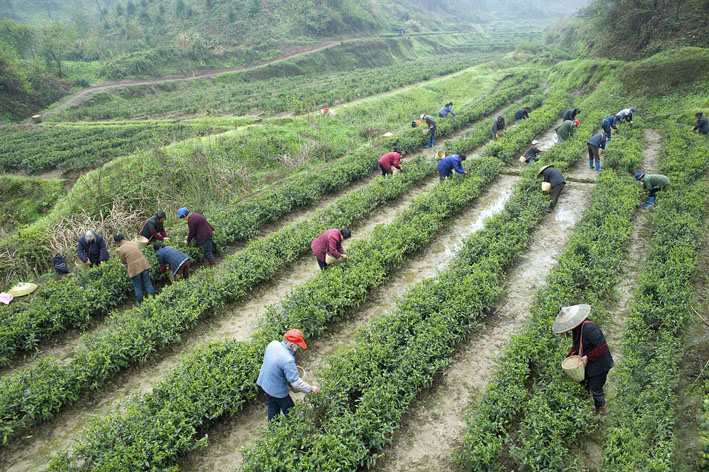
(423, 115)
(535, 142)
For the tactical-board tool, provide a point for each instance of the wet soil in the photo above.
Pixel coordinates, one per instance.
(433, 428)
(228, 436)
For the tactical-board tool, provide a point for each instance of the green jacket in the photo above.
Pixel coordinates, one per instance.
(565, 129)
(655, 181)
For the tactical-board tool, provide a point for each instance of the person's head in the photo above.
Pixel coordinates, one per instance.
(577, 111)
(576, 123)
(160, 216)
(699, 114)
(90, 236)
(639, 176)
(294, 340)
(449, 104)
(182, 212)
(462, 157)
(633, 110)
(346, 233)
(157, 245)
(535, 142)
(423, 116)
(527, 109)
(569, 317)
(117, 238)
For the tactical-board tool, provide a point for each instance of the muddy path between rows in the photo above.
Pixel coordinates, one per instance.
(231, 434)
(432, 430)
(590, 449)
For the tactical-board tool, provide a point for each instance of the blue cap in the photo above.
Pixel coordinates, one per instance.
(633, 110)
(639, 176)
(182, 212)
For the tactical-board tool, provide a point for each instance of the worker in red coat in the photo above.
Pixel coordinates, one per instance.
(330, 243)
(201, 230)
(389, 160)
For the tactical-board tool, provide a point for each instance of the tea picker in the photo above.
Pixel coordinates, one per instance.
(389, 160)
(328, 246)
(448, 164)
(652, 183)
(278, 371)
(589, 359)
(153, 228)
(91, 249)
(553, 182)
(201, 230)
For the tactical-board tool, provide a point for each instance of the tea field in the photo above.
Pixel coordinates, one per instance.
(432, 342)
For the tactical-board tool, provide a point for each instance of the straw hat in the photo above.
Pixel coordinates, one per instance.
(22, 289)
(539, 174)
(570, 317)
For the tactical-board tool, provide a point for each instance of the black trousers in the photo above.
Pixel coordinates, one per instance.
(554, 195)
(384, 171)
(595, 386)
(321, 264)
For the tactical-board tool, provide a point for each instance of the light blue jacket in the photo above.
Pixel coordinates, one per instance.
(445, 110)
(278, 370)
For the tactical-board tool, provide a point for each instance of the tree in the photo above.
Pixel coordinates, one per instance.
(57, 42)
(19, 37)
(15, 89)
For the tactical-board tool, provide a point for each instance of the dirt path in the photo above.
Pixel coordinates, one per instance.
(613, 331)
(433, 429)
(228, 436)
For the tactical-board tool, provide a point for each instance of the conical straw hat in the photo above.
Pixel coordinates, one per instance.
(543, 169)
(22, 289)
(570, 317)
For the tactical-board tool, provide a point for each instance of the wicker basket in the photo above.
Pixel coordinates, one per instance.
(329, 259)
(546, 187)
(142, 241)
(440, 155)
(301, 374)
(574, 368)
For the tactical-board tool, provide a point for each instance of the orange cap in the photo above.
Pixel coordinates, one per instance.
(295, 336)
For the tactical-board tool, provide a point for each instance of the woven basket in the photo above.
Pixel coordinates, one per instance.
(574, 368)
(546, 187)
(142, 241)
(522, 159)
(329, 259)
(301, 374)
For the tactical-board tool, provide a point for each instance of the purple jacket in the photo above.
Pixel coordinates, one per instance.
(199, 228)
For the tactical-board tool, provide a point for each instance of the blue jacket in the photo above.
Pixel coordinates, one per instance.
(445, 110)
(609, 123)
(170, 256)
(449, 163)
(95, 252)
(598, 140)
(278, 370)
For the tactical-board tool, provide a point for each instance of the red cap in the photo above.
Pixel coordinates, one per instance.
(296, 336)
(576, 123)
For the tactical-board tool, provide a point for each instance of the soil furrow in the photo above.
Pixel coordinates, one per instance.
(228, 436)
(432, 429)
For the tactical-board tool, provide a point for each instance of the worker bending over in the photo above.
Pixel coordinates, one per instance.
(138, 267)
(447, 108)
(153, 229)
(178, 261)
(201, 230)
(590, 345)
(329, 243)
(595, 146)
(448, 164)
(570, 114)
(278, 370)
(652, 183)
(626, 115)
(522, 114)
(498, 127)
(552, 175)
(531, 154)
(389, 160)
(609, 124)
(702, 126)
(565, 130)
(431, 130)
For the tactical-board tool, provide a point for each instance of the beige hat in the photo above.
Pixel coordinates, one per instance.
(22, 289)
(539, 174)
(570, 317)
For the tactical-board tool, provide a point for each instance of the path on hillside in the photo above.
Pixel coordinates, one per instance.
(626, 288)
(435, 422)
(83, 95)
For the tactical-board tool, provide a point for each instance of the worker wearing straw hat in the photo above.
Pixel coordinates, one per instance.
(279, 369)
(590, 344)
(557, 182)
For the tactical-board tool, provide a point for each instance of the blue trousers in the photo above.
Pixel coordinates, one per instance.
(141, 281)
(277, 405)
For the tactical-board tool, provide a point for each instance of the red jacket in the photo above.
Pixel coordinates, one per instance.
(330, 242)
(199, 228)
(390, 159)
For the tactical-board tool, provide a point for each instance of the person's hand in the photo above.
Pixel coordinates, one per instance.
(185, 241)
(584, 359)
(101, 263)
(88, 262)
(165, 238)
(466, 174)
(315, 389)
(344, 256)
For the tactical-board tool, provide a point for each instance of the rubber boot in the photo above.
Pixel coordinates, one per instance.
(550, 208)
(598, 166)
(650, 202)
(428, 143)
(211, 262)
(601, 410)
(590, 163)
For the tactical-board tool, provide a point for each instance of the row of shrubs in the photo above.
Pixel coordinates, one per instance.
(122, 442)
(73, 301)
(644, 413)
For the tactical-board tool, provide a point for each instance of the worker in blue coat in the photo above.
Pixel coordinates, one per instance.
(448, 164)
(596, 145)
(91, 249)
(447, 108)
(609, 124)
(279, 369)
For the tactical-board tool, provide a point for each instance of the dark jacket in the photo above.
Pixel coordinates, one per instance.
(95, 252)
(608, 124)
(521, 114)
(153, 229)
(598, 140)
(553, 176)
(594, 346)
(199, 228)
(570, 114)
(702, 125)
(532, 153)
(565, 129)
(497, 125)
(170, 256)
(429, 121)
